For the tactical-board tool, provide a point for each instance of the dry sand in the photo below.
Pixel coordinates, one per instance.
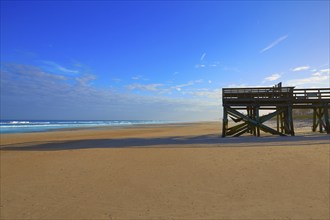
(163, 172)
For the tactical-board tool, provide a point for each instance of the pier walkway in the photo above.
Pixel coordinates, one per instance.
(243, 105)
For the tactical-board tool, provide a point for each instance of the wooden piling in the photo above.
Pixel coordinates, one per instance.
(280, 100)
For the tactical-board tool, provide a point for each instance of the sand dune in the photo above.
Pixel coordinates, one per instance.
(183, 171)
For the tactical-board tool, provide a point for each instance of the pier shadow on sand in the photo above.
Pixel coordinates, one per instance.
(204, 141)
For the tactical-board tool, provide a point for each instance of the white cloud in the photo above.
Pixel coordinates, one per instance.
(59, 67)
(202, 63)
(300, 68)
(237, 86)
(139, 77)
(85, 79)
(145, 87)
(214, 63)
(29, 92)
(63, 69)
(199, 65)
(325, 71)
(202, 57)
(211, 94)
(312, 81)
(163, 88)
(323, 65)
(273, 77)
(321, 72)
(274, 43)
(190, 83)
(318, 78)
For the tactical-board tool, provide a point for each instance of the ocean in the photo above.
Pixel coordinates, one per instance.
(26, 126)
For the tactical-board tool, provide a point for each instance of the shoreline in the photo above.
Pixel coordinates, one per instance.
(182, 171)
(99, 127)
(209, 131)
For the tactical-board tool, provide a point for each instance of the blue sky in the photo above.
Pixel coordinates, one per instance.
(153, 60)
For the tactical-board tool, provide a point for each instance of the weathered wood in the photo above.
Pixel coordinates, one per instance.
(277, 120)
(236, 128)
(280, 99)
(252, 122)
(320, 120)
(257, 119)
(224, 122)
(236, 119)
(326, 119)
(242, 131)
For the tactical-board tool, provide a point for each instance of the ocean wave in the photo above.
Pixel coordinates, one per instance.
(26, 122)
(16, 126)
(28, 125)
(19, 122)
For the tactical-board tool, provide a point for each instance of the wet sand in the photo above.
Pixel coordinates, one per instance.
(183, 171)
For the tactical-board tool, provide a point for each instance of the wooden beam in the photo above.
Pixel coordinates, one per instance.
(253, 122)
(235, 119)
(326, 118)
(244, 130)
(224, 122)
(282, 100)
(257, 119)
(234, 129)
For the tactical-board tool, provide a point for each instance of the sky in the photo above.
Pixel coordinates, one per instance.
(153, 60)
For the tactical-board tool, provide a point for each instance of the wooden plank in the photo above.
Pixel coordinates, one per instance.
(257, 119)
(246, 129)
(224, 122)
(236, 119)
(320, 120)
(314, 120)
(253, 122)
(326, 118)
(235, 129)
(278, 98)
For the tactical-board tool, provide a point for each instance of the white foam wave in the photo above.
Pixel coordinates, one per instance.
(19, 122)
(32, 126)
(25, 122)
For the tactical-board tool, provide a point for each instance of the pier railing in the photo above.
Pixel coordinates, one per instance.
(310, 94)
(257, 93)
(282, 100)
(275, 93)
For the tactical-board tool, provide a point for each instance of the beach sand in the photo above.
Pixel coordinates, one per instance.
(183, 171)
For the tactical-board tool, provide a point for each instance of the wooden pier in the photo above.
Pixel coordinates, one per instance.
(243, 105)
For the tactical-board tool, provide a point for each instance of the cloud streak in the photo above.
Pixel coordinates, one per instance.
(313, 81)
(60, 68)
(274, 43)
(146, 87)
(318, 78)
(273, 77)
(202, 57)
(300, 68)
(163, 88)
(202, 63)
(44, 95)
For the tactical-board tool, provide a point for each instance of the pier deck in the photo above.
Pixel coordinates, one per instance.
(282, 100)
